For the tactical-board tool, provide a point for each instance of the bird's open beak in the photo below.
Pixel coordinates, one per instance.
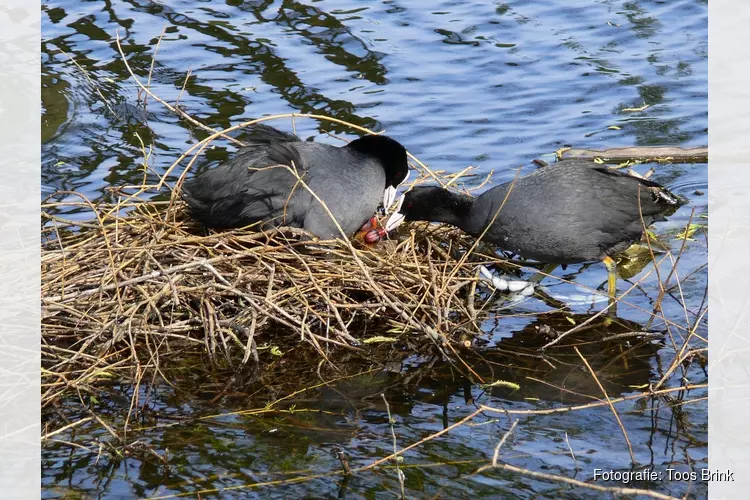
(389, 196)
(396, 218)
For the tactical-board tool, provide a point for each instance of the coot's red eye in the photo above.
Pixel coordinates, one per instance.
(408, 205)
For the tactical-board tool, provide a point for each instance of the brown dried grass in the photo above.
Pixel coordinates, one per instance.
(139, 280)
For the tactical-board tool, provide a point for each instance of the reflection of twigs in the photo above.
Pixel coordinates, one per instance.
(468, 367)
(609, 402)
(344, 462)
(421, 441)
(566, 409)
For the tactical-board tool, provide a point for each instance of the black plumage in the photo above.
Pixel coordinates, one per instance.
(569, 212)
(258, 186)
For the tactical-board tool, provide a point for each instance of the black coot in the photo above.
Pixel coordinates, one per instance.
(252, 188)
(569, 212)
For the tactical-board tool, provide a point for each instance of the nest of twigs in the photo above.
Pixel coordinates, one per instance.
(140, 279)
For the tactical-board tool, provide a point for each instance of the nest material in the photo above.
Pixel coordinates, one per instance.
(137, 283)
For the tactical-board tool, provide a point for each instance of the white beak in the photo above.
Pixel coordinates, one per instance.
(390, 193)
(396, 218)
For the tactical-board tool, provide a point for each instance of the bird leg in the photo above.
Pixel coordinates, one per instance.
(611, 266)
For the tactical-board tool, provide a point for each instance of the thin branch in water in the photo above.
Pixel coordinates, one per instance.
(609, 403)
(395, 447)
(502, 442)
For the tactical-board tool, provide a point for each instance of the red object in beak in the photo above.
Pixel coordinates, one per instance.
(374, 235)
(370, 224)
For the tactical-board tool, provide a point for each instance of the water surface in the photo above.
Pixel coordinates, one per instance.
(487, 84)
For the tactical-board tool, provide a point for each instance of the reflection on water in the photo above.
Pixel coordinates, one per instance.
(488, 84)
(241, 442)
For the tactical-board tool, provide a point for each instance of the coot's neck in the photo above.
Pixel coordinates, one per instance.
(453, 208)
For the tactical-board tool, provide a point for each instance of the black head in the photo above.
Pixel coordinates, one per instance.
(390, 153)
(435, 204)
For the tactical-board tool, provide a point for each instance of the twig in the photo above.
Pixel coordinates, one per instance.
(566, 409)
(395, 447)
(642, 153)
(66, 427)
(609, 403)
(421, 441)
(574, 482)
(502, 442)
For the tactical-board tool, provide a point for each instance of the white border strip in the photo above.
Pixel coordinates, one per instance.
(20, 140)
(729, 246)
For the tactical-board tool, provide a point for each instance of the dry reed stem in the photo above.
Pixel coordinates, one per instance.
(574, 482)
(399, 474)
(494, 465)
(505, 437)
(609, 403)
(420, 442)
(566, 409)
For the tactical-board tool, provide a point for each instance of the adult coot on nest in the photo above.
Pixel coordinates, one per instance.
(259, 184)
(570, 212)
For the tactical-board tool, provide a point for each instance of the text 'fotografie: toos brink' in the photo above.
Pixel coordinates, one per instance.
(668, 474)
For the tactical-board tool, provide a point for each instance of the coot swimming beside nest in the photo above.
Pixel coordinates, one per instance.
(570, 212)
(255, 187)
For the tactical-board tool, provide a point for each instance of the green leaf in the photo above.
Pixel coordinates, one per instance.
(689, 231)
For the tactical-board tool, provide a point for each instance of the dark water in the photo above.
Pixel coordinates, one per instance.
(488, 84)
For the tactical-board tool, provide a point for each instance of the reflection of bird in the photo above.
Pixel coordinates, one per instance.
(620, 351)
(259, 186)
(573, 211)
